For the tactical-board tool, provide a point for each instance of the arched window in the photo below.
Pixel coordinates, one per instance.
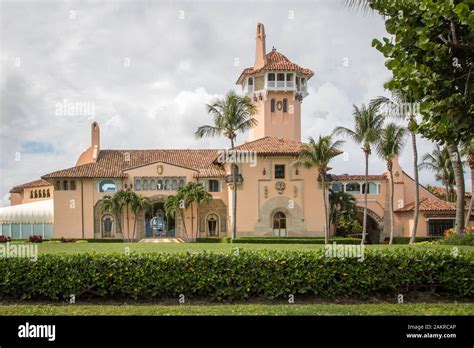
(279, 224)
(57, 185)
(72, 185)
(65, 185)
(138, 184)
(181, 183)
(285, 105)
(167, 184)
(353, 187)
(213, 225)
(159, 184)
(36, 194)
(107, 226)
(145, 184)
(174, 184)
(39, 194)
(272, 105)
(47, 193)
(107, 186)
(373, 189)
(152, 184)
(31, 194)
(250, 84)
(44, 193)
(337, 187)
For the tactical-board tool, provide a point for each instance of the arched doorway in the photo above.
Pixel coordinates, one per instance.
(107, 225)
(374, 225)
(279, 224)
(212, 225)
(158, 224)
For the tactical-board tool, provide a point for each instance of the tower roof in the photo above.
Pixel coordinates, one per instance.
(275, 61)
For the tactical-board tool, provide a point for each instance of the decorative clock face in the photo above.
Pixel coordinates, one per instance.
(279, 105)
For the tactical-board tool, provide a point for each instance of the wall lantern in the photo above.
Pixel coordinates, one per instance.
(264, 172)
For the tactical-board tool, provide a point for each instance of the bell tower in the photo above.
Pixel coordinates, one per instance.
(277, 87)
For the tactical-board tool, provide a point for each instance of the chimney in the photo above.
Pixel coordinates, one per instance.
(260, 57)
(95, 140)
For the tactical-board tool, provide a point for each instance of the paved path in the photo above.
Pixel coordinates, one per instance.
(162, 240)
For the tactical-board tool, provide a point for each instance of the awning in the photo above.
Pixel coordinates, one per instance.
(29, 213)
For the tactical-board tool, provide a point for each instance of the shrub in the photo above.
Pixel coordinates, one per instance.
(232, 276)
(4, 239)
(208, 240)
(465, 237)
(406, 240)
(294, 240)
(35, 239)
(67, 240)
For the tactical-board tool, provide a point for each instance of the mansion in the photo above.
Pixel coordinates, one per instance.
(274, 197)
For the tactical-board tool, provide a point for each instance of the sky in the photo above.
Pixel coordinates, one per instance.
(144, 70)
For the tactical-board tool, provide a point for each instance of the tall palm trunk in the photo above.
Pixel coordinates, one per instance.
(364, 222)
(128, 226)
(459, 179)
(392, 189)
(326, 232)
(192, 222)
(470, 160)
(417, 188)
(234, 197)
(184, 223)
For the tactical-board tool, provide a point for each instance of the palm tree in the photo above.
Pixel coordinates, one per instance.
(389, 146)
(195, 194)
(231, 115)
(114, 206)
(174, 204)
(468, 150)
(439, 162)
(368, 124)
(460, 189)
(318, 155)
(126, 198)
(396, 107)
(341, 204)
(139, 204)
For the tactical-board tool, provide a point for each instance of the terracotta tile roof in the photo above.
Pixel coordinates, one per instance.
(347, 177)
(113, 163)
(35, 183)
(441, 192)
(271, 146)
(276, 62)
(429, 204)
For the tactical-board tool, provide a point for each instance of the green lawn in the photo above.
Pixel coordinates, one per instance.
(58, 247)
(250, 309)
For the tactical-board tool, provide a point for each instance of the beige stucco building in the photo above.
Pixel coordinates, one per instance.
(274, 197)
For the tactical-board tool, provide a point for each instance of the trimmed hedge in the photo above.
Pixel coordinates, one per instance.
(214, 240)
(237, 276)
(406, 240)
(294, 240)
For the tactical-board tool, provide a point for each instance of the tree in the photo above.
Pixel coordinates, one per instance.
(318, 155)
(468, 151)
(126, 198)
(231, 115)
(139, 204)
(114, 206)
(439, 162)
(195, 194)
(401, 107)
(175, 204)
(368, 124)
(343, 210)
(430, 54)
(390, 145)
